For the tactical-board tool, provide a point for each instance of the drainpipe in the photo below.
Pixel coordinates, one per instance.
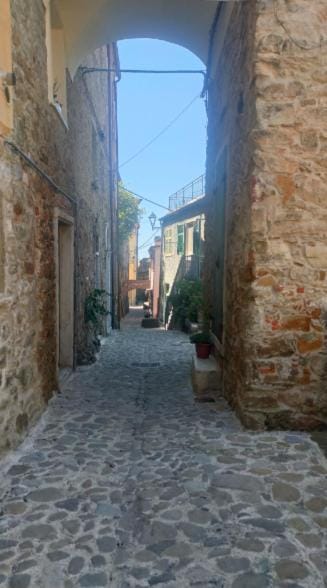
(113, 220)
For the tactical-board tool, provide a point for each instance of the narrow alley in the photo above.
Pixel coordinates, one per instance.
(127, 482)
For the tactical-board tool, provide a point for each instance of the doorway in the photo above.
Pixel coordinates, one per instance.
(65, 291)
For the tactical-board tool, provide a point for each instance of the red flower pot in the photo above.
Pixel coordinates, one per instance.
(203, 350)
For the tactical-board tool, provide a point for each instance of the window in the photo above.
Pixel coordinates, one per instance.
(180, 239)
(189, 230)
(169, 242)
(197, 238)
(56, 59)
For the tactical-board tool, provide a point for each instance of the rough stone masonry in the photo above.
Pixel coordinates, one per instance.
(76, 159)
(268, 111)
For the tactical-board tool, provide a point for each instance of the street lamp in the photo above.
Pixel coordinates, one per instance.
(153, 219)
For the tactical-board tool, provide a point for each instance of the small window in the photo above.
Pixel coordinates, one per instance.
(168, 242)
(56, 59)
(180, 240)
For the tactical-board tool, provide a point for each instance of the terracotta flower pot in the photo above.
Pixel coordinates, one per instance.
(203, 350)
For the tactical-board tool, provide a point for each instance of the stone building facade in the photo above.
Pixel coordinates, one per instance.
(58, 207)
(154, 273)
(182, 249)
(128, 256)
(266, 182)
(133, 263)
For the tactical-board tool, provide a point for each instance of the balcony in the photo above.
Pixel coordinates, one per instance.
(185, 195)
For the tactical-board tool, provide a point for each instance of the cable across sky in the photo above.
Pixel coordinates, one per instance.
(164, 130)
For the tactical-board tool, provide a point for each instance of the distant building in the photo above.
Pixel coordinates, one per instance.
(155, 264)
(143, 268)
(128, 271)
(133, 263)
(182, 245)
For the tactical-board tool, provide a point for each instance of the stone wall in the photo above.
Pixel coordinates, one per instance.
(231, 118)
(28, 325)
(268, 105)
(289, 215)
(88, 98)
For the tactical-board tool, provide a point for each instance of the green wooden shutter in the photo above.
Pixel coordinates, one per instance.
(180, 239)
(196, 238)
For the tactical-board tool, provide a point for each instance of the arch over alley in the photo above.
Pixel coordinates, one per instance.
(90, 25)
(266, 270)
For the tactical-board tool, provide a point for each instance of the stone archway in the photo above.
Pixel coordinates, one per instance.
(267, 112)
(90, 25)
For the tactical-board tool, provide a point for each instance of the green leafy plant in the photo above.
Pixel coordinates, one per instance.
(129, 213)
(187, 301)
(202, 337)
(95, 307)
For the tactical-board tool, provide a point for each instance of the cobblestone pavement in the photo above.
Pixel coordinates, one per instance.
(126, 482)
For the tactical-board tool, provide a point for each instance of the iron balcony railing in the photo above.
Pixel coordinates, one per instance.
(192, 267)
(193, 190)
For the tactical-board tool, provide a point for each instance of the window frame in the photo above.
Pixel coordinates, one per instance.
(197, 238)
(180, 248)
(168, 241)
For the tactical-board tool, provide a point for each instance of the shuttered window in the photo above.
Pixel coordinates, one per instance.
(180, 239)
(168, 242)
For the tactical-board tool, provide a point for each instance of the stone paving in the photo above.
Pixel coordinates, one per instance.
(127, 482)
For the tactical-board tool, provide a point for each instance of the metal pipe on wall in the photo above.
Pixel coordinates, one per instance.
(113, 219)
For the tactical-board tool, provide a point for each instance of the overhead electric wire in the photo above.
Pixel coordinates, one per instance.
(146, 199)
(88, 70)
(149, 240)
(166, 128)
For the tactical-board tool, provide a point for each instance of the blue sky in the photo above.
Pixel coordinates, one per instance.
(146, 104)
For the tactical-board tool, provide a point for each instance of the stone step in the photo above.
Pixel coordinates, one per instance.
(206, 379)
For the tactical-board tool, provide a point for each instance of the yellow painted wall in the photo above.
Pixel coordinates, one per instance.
(171, 260)
(132, 265)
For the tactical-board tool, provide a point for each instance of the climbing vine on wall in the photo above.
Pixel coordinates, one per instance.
(96, 307)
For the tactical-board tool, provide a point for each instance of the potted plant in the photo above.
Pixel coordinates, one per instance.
(202, 342)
